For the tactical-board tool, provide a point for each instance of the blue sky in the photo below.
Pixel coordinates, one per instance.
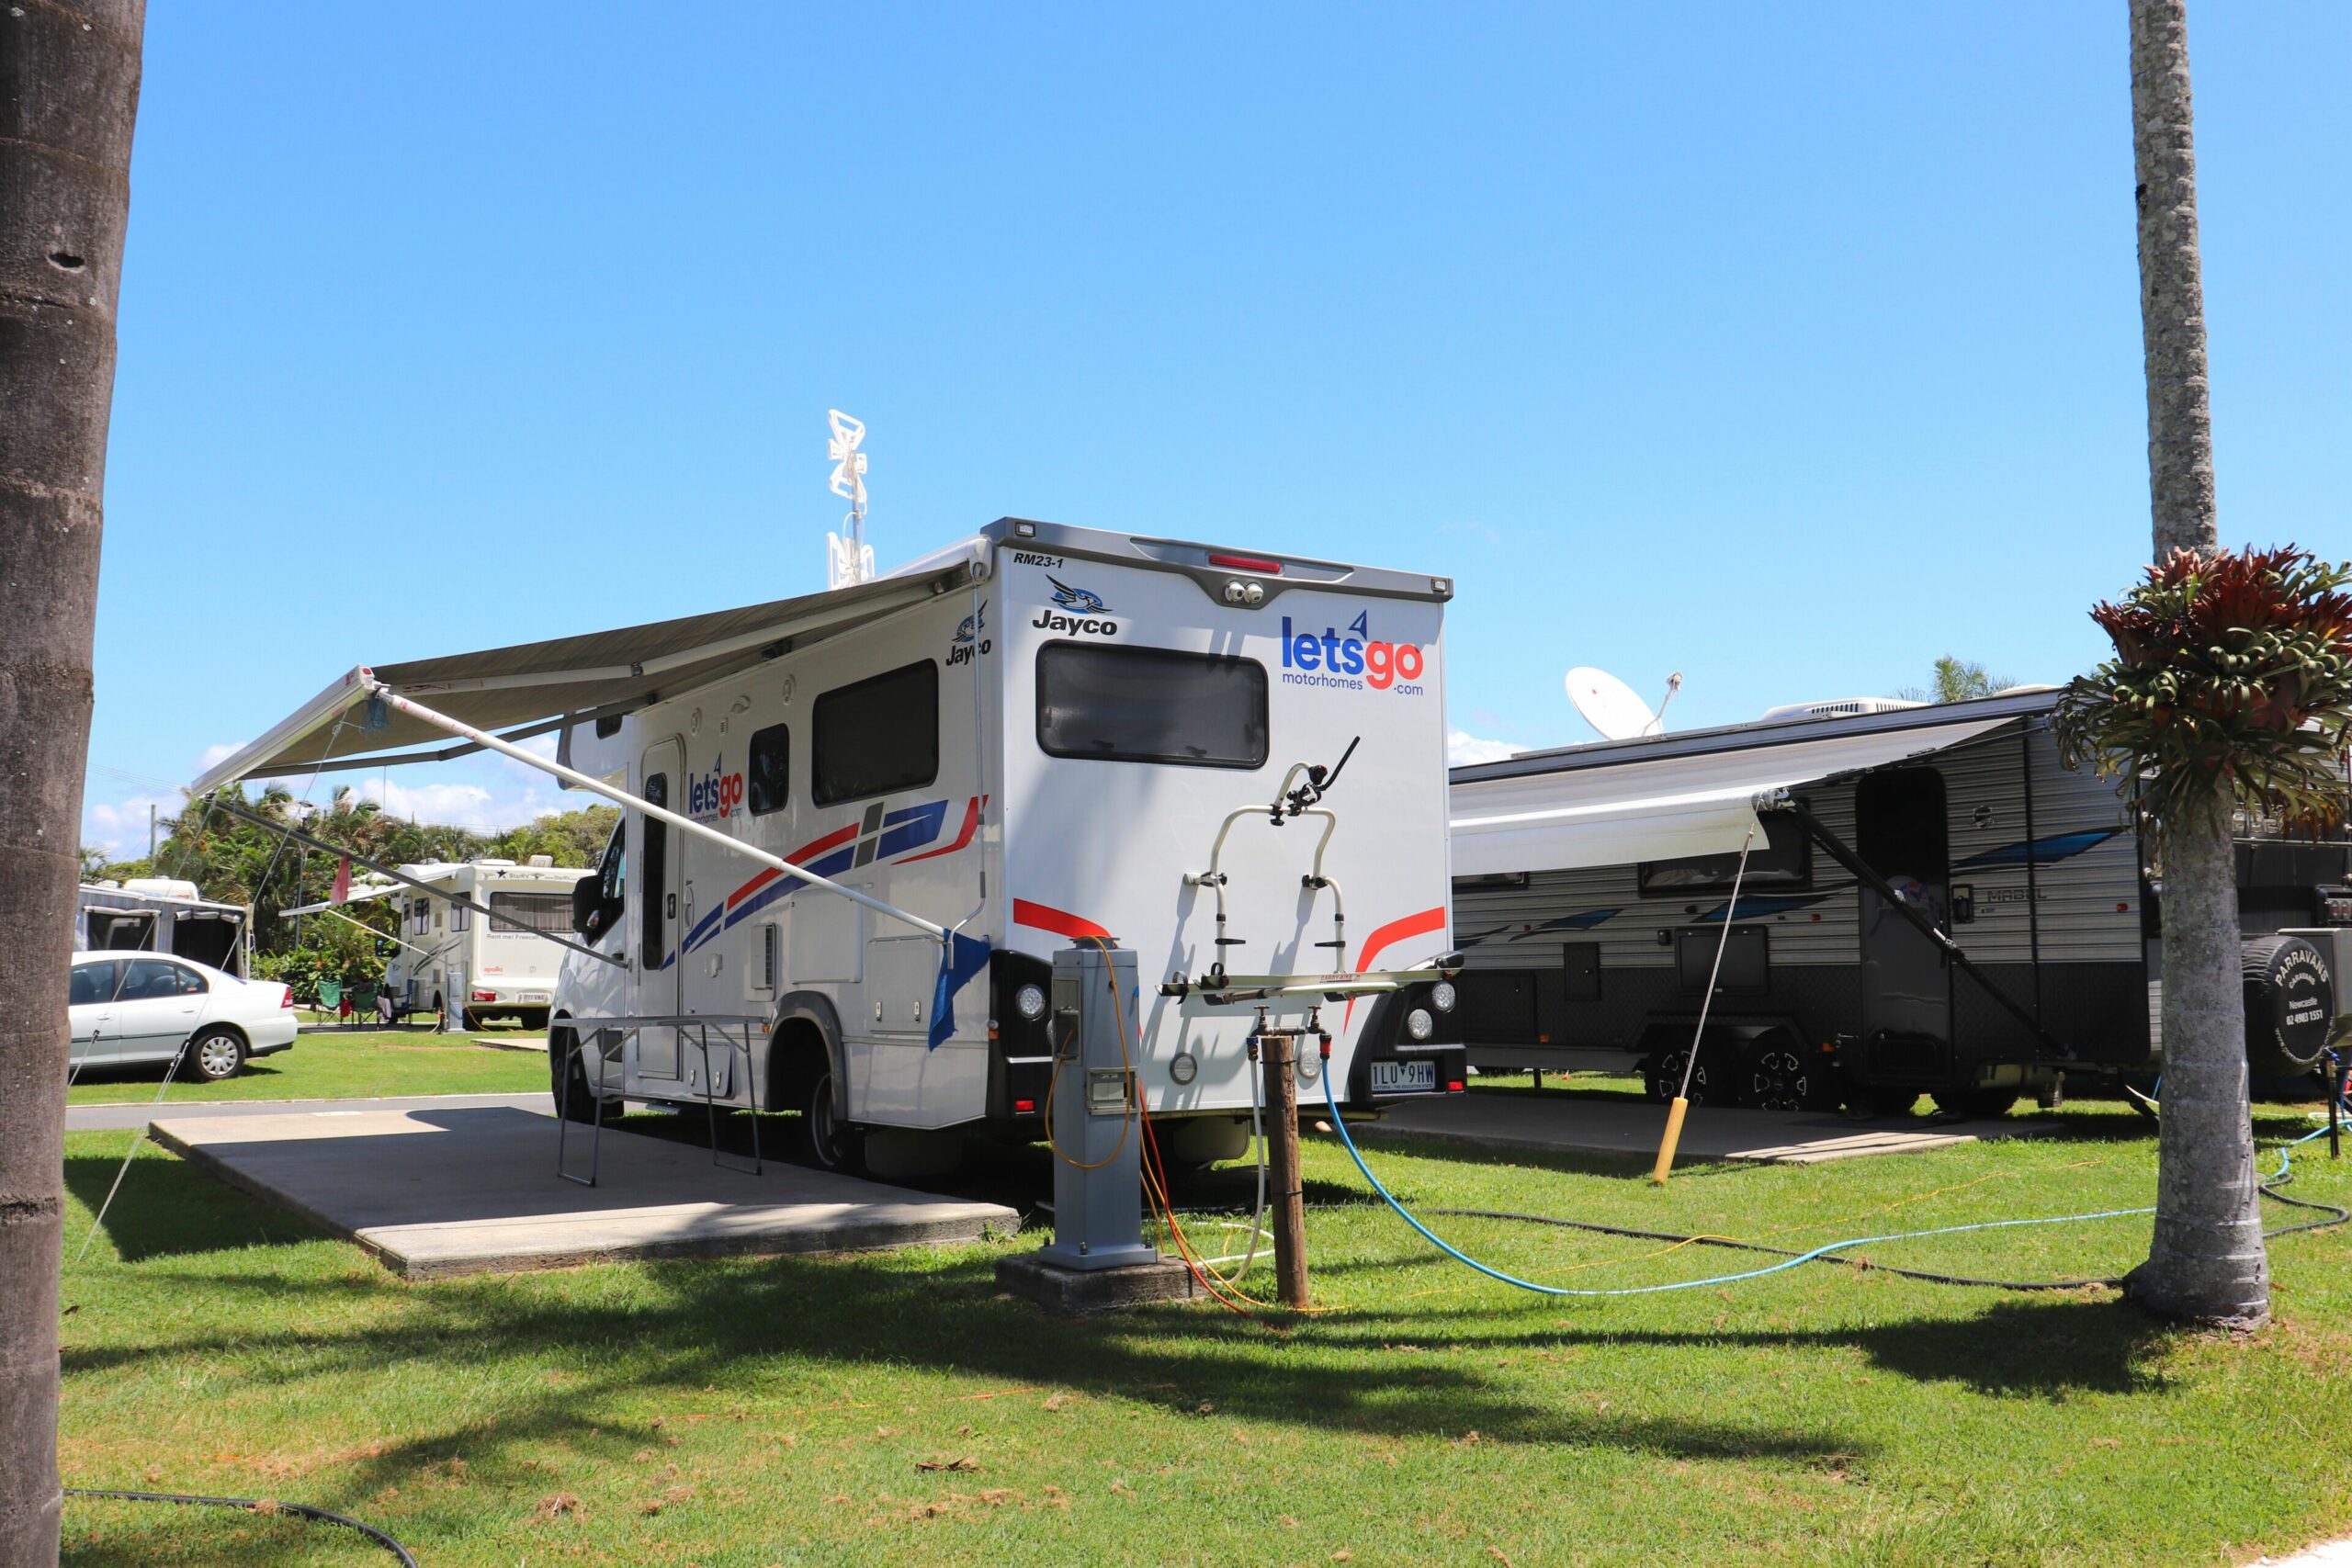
(1789, 347)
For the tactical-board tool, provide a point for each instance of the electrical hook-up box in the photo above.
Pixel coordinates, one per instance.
(1098, 1148)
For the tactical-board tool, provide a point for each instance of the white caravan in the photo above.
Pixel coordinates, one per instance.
(1931, 902)
(1040, 736)
(487, 966)
(163, 914)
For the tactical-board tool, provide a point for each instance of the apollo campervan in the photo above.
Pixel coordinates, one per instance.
(450, 954)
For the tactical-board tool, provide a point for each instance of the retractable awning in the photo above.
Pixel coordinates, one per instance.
(534, 687)
(1696, 803)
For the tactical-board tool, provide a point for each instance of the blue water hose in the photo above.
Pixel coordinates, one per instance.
(1794, 1260)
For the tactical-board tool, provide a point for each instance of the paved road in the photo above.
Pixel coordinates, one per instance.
(110, 1118)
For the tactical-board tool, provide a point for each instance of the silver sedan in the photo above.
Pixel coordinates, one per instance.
(132, 1008)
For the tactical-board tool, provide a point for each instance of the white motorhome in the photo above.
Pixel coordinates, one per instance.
(1038, 737)
(450, 954)
(163, 914)
(1931, 902)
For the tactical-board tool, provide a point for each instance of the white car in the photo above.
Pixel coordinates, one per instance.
(130, 1009)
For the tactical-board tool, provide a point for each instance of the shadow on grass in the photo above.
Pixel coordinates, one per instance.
(167, 1208)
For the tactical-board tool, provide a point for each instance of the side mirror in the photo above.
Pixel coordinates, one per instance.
(584, 920)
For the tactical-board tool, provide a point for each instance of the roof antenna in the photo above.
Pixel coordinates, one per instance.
(849, 560)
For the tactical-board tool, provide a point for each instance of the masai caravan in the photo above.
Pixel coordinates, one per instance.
(1038, 737)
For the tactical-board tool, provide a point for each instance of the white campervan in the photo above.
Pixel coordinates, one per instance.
(469, 939)
(844, 807)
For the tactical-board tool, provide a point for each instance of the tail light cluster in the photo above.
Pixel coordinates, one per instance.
(481, 996)
(284, 996)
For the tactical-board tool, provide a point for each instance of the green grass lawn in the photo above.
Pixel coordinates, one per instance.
(336, 1064)
(893, 1408)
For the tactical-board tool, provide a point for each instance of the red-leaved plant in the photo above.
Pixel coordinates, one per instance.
(2231, 666)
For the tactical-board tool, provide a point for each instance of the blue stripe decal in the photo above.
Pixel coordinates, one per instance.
(1762, 905)
(704, 929)
(2040, 851)
(1583, 921)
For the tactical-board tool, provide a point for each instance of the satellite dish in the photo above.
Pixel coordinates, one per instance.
(1610, 705)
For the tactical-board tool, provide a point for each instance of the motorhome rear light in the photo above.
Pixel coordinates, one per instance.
(1025, 1107)
(1454, 1086)
(483, 996)
(1248, 563)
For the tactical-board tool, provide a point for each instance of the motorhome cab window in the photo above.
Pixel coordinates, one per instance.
(876, 736)
(530, 912)
(1151, 704)
(766, 777)
(1783, 860)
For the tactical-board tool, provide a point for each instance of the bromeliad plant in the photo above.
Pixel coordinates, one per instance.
(2231, 666)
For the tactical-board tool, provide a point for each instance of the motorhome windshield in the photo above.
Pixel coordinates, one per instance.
(1149, 704)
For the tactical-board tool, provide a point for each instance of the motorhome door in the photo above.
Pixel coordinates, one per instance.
(658, 927)
(1901, 832)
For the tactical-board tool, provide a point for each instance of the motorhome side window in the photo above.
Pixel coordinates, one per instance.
(876, 736)
(1151, 704)
(461, 916)
(530, 912)
(1783, 860)
(767, 776)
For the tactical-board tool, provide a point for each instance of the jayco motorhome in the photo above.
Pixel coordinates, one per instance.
(1036, 737)
(1930, 903)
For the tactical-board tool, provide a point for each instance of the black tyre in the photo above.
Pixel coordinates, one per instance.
(1883, 1100)
(832, 1142)
(568, 1082)
(214, 1055)
(1976, 1104)
(2289, 1005)
(1713, 1080)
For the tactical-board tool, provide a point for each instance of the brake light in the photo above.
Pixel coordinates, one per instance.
(1454, 1086)
(483, 996)
(1248, 563)
(1024, 1107)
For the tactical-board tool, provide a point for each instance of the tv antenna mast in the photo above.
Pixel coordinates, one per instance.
(849, 560)
(1611, 707)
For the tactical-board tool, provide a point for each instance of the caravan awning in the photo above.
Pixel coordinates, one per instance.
(534, 687)
(1691, 803)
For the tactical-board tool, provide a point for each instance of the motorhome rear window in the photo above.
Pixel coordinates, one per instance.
(530, 912)
(1151, 704)
(876, 736)
(1784, 860)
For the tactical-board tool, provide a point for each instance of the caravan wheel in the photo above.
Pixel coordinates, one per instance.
(832, 1142)
(1712, 1081)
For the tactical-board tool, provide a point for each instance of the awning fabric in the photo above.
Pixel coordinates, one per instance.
(534, 687)
(1698, 804)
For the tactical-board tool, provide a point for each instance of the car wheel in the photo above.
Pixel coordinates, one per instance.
(215, 1054)
(832, 1142)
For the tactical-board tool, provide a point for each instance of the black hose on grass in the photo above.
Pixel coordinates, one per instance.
(256, 1505)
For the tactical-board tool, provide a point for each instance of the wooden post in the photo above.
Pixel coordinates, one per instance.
(1278, 1056)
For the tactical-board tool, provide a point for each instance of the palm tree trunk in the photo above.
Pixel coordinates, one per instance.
(2172, 285)
(69, 91)
(2206, 1262)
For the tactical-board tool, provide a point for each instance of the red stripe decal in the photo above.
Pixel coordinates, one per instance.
(813, 847)
(1045, 918)
(971, 821)
(1380, 940)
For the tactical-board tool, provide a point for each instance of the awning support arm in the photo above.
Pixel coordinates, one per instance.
(258, 821)
(623, 798)
(1839, 851)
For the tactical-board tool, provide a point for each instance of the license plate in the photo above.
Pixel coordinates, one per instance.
(1404, 1078)
(534, 998)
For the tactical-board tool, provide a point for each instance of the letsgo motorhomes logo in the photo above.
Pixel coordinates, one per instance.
(1351, 660)
(1085, 611)
(714, 794)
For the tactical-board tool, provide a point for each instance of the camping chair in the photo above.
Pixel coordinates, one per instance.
(362, 1001)
(330, 997)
